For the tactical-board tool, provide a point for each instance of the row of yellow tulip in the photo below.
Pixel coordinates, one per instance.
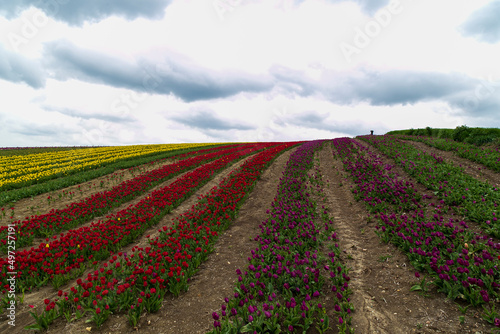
(31, 168)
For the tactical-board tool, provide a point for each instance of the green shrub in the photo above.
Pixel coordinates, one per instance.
(461, 133)
(480, 140)
(445, 133)
(420, 132)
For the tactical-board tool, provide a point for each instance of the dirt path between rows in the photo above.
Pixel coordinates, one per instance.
(384, 276)
(450, 213)
(474, 169)
(60, 199)
(190, 313)
(36, 298)
(381, 276)
(121, 207)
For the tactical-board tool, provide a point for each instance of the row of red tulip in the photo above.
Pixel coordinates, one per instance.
(136, 282)
(80, 212)
(64, 257)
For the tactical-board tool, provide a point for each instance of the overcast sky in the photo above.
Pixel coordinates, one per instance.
(122, 72)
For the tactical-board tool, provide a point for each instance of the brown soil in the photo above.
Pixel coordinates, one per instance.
(123, 206)
(381, 276)
(36, 298)
(38, 205)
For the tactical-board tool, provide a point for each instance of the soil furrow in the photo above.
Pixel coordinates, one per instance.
(361, 248)
(191, 312)
(39, 205)
(36, 298)
(215, 278)
(390, 267)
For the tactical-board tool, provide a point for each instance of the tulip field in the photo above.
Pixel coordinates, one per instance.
(350, 235)
(22, 170)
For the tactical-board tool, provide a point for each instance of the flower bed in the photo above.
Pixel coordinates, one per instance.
(77, 213)
(474, 199)
(462, 264)
(132, 283)
(489, 157)
(280, 288)
(22, 170)
(65, 256)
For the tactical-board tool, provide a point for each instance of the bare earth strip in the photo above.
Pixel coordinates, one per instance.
(381, 276)
(39, 204)
(361, 246)
(36, 298)
(191, 313)
(186, 314)
(381, 279)
(123, 206)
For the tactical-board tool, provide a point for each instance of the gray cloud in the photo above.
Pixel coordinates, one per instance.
(484, 24)
(320, 121)
(483, 101)
(289, 81)
(88, 116)
(393, 87)
(398, 87)
(307, 119)
(38, 130)
(182, 78)
(17, 68)
(176, 75)
(205, 120)
(78, 12)
(473, 97)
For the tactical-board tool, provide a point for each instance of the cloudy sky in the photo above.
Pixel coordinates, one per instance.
(122, 72)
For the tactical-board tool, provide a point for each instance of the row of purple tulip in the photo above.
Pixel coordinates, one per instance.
(472, 198)
(462, 264)
(287, 275)
(486, 156)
